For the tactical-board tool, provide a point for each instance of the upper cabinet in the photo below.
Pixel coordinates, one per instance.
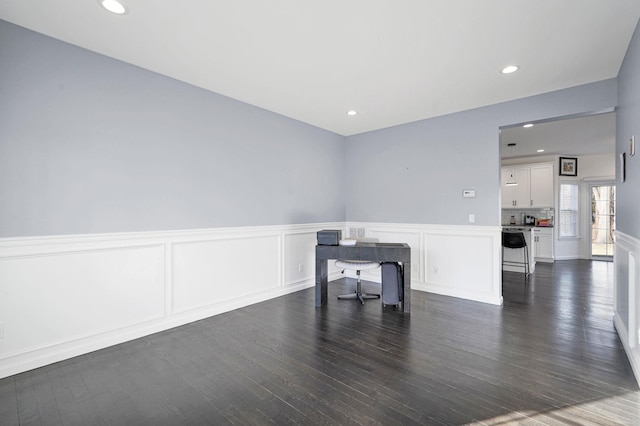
(534, 186)
(513, 195)
(542, 185)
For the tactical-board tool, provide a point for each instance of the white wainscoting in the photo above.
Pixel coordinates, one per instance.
(65, 296)
(627, 297)
(69, 295)
(459, 261)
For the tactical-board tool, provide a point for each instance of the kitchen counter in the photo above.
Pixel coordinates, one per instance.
(506, 225)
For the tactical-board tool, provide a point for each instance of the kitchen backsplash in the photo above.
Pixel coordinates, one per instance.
(519, 215)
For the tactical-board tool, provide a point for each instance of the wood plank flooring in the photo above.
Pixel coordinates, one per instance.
(550, 355)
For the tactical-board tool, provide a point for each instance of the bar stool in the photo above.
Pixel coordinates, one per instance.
(516, 240)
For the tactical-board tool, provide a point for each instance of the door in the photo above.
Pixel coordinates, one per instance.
(603, 221)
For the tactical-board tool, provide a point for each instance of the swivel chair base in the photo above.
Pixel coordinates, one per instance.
(358, 294)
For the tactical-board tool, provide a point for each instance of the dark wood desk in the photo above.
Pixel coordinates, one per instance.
(376, 252)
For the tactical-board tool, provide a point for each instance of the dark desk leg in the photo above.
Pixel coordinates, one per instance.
(321, 282)
(406, 303)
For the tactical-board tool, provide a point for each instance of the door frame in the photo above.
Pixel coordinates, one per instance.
(587, 205)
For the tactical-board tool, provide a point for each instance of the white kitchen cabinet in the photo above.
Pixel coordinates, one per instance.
(508, 194)
(518, 195)
(542, 185)
(534, 189)
(543, 242)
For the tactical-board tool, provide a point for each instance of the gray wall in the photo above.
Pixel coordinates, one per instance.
(628, 193)
(89, 144)
(628, 124)
(415, 173)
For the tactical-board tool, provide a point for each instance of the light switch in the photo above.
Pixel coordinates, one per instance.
(472, 218)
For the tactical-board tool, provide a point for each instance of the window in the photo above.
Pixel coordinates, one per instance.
(568, 210)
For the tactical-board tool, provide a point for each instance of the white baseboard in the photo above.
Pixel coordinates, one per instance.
(28, 360)
(69, 295)
(632, 353)
(64, 296)
(627, 297)
(459, 261)
(570, 257)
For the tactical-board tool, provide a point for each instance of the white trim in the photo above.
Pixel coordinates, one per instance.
(441, 246)
(600, 179)
(153, 283)
(588, 243)
(469, 269)
(626, 294)
(571, 257)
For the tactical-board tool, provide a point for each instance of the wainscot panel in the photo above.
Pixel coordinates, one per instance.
(209, 272)
(52, 299)
(459, 261)
(300, 262)
(626, 303)
(410, 237)
(68, 295)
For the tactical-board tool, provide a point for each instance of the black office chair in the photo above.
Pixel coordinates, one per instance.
(516, 240)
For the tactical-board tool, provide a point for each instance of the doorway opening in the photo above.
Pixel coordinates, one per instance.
(603, 220)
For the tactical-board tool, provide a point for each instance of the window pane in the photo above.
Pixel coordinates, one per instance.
(569, 196)
(568, 223)
(569, 210)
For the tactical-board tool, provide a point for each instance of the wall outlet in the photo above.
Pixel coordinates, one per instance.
(360, 232)
(353, 233)
(301, 267)
(1, 330)
(472, 218)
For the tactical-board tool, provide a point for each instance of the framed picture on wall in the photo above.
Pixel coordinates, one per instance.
(568, 166)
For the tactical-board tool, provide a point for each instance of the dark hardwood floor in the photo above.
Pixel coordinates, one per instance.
(550, 355)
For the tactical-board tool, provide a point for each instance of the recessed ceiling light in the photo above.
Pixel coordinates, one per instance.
(526, 126)
(509, 69)
(113, 6)
(540, 150)
(352, 112)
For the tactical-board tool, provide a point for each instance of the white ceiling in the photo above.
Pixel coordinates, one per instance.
(392, 61)
(595, 134)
